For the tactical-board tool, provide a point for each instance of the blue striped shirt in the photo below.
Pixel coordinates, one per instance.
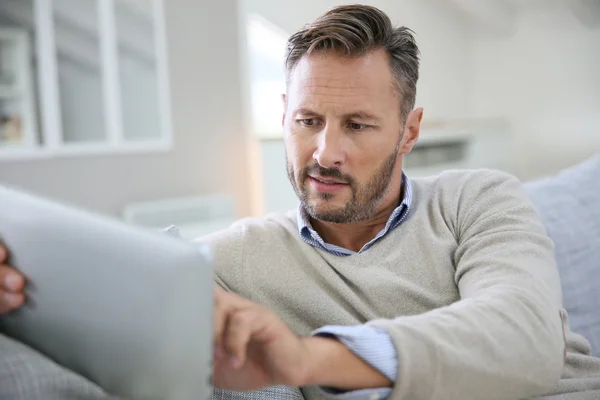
(373, 345)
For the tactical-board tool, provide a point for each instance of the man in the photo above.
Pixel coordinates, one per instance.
(380, 286)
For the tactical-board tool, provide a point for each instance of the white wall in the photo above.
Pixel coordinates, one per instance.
(79, 67)
(545, 78)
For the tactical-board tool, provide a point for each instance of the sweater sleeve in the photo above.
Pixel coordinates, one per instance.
(227, 247)
(503, 339)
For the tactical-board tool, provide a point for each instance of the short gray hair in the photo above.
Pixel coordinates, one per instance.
(354, 31)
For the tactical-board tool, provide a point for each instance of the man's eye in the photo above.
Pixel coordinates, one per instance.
(309, 122)
(355, 126)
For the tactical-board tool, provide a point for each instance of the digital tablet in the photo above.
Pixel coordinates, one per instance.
(128, 308)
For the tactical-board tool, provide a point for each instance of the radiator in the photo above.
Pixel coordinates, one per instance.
(193, 216)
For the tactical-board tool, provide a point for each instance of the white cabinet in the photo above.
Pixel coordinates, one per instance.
(83, 77)
(17, 114)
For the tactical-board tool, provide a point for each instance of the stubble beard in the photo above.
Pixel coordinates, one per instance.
(366, 198)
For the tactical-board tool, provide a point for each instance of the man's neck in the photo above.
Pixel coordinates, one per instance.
(353, 236)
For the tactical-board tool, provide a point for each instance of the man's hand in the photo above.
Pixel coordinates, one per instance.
(255, 349)
(11, 285)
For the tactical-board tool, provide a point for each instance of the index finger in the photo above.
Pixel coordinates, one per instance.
(3, 253)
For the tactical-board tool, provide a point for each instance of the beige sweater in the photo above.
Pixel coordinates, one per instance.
(466, 286)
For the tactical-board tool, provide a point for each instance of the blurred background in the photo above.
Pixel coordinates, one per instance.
(165, 112)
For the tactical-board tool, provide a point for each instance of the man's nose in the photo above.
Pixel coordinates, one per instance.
(330, 151)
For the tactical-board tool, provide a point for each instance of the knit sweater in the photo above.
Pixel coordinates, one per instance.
(467, 287)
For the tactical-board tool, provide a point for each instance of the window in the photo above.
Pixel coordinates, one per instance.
(17, 113)
(266, 47)
(82, 77)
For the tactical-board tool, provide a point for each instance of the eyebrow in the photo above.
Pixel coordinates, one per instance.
(362, 115)
(365, 116)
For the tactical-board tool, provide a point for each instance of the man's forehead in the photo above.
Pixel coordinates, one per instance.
(333, 75)
(331, 70)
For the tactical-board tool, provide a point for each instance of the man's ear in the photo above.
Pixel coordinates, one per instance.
(284, 102)
(412, 128)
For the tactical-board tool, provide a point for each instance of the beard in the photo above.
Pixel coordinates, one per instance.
(366, 198)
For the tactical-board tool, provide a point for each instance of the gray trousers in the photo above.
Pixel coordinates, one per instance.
(27, 375)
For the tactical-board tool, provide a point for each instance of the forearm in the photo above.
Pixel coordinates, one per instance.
(494, 347)
(330, 363)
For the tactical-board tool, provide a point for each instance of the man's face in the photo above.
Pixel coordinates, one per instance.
(343, 135)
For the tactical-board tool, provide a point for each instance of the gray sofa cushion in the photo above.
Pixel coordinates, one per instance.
(569, 205)
(27, 375)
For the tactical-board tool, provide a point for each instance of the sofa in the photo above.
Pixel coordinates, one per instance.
(569, 206)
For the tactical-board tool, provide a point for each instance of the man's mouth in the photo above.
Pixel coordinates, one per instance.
(328, 181)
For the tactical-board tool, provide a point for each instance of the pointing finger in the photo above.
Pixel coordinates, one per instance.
(219, 317)
(240, 327)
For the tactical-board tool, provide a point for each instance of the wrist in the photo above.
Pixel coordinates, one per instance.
(319, 352)
(328, 362)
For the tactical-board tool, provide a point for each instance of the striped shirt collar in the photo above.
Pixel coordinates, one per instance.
(310, 236)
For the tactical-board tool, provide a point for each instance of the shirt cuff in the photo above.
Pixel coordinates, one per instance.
(372, 344)
(375, 347)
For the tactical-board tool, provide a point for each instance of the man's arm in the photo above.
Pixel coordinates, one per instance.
(332, 364)
(255, 349)
(352, 341)
(372, 344)
(504, 338)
